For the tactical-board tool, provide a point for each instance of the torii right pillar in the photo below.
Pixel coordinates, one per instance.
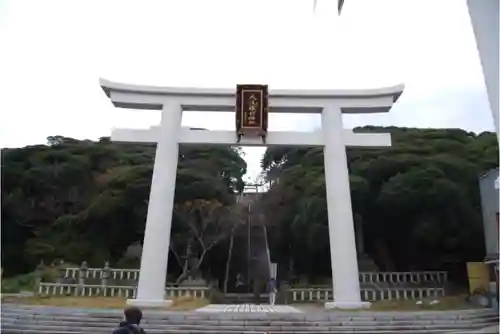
(484, 16)
(340, 217)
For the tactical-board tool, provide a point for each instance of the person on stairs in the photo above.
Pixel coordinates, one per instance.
(272, 290)
(130, 325)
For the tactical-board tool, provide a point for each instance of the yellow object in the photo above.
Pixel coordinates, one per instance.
(479, 276)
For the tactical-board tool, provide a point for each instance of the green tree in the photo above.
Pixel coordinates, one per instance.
(418, 201)
(85, 200)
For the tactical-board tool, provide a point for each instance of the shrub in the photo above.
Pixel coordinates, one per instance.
(215, 296)
(19, 283)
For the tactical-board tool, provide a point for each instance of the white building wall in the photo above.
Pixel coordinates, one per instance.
(490, 209)
(484, 16)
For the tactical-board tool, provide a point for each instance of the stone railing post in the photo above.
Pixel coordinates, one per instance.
(105, 274)
(82, 273)
(39, 271)
(58, 270)
(282, 296)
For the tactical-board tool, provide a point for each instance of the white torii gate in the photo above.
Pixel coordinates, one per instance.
(173, 101)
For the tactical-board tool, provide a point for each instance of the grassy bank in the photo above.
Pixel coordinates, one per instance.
(178, 304)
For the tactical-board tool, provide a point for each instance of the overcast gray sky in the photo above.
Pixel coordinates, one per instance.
(54, 51)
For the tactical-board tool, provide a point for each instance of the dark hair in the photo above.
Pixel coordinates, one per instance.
(133, 315)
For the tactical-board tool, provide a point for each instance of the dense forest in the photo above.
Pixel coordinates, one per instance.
(417, 202)
(87, 201)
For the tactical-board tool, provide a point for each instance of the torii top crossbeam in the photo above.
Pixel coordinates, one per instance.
(352, 101)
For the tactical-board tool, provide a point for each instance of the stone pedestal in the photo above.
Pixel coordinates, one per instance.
(39, 271)
(282, 296)
(149, 303)
(347, 305)
(105, 274)
(82, 273)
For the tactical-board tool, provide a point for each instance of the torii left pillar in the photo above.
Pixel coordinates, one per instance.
(334, 139)
(155, 249)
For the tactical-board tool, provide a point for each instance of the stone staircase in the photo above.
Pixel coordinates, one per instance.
(244, 298)
(259, 261)
(250, 256)
(239, 262)
(17, 319)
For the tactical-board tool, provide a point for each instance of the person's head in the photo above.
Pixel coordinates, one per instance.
(133, 315)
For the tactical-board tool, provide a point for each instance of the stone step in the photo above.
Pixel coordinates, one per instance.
(56, 320)
(264, 326)
(109, 329)
(254, 320)
(250, 322)
(244, 298)
(240, 319)
(44, 331)
(319, 314)
(263, 322)
(259, 327)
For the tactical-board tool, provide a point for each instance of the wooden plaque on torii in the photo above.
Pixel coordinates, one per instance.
(252, 111)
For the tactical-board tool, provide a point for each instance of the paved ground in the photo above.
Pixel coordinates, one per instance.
(245, 308)
(491, 329)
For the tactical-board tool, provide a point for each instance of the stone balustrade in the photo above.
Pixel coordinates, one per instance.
(298, 295)
(59, 289)
(95, 273)
(415, 277)
(375, 286)
(307, 295)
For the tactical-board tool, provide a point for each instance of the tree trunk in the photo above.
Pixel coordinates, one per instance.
(384, 256)
(187, 270)
(228, 262)
(177, 258)
(184, 273)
